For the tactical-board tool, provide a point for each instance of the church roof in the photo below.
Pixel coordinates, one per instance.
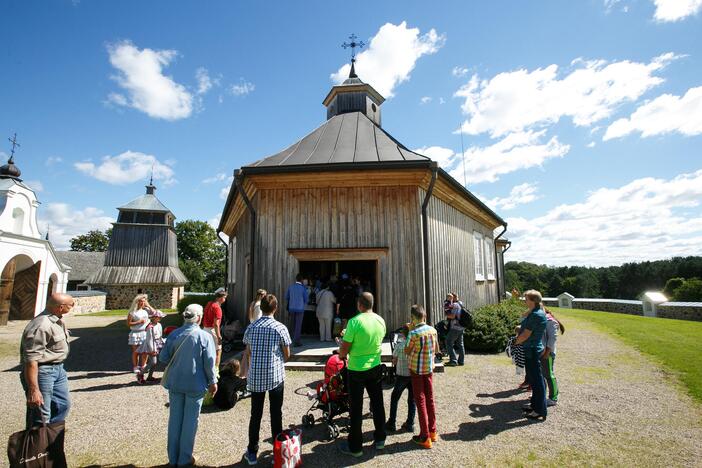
(146, 202)
(83, 264)
(345, 138)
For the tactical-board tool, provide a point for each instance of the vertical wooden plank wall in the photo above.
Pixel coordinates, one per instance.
(238, 300)
(451, 259)
(337, 218)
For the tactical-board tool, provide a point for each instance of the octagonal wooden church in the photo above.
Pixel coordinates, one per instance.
(348, 199)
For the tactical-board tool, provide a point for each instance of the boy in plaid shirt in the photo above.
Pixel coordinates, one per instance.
(421, 348)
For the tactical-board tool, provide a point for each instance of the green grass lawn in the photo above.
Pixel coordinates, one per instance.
(121, 313)
(676, 344)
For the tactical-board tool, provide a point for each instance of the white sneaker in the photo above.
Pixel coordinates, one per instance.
(550, 402)
(136, 370)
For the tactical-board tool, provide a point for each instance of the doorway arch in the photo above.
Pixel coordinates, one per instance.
(19, 283)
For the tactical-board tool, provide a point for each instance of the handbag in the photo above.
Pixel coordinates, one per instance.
(38, 447)
(287, 449)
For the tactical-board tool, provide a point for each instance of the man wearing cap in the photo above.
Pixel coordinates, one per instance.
(212, 320)
(43, 350)
(190, 356)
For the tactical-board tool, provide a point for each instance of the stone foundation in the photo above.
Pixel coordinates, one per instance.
(161, 296)
(87, 302)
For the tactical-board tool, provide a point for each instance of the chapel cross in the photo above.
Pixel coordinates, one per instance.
(353, 44)
(13, 140)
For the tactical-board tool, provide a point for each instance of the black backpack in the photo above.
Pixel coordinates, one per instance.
(465, 319)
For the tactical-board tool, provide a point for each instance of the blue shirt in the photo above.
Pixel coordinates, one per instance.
(536, 322)
(265, 337)
(296, 297)
(190, 354)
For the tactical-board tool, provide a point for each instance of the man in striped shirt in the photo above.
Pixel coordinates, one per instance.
(421, 348)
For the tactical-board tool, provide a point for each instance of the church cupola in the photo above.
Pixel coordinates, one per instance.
(353, 95)
(9, 170)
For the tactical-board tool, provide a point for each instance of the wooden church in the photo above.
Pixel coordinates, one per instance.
(142, 256)
(348, 198)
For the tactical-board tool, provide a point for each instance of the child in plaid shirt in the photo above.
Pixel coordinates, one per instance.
(421, 348)
(402, 381)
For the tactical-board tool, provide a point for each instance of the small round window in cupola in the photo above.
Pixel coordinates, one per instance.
(373, 107)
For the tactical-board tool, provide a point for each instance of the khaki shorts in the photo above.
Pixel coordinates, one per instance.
(211, 331)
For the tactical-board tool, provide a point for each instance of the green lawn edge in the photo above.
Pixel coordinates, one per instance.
(120, 313)
(674, 344)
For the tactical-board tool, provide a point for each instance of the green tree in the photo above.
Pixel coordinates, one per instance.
(689, 291)
(671, 285)
(93, 241)
(201, 256)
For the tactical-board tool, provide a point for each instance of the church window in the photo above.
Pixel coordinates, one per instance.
(478, 256)
(489, 260)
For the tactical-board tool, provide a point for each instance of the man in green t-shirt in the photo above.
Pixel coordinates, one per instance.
(362, 345)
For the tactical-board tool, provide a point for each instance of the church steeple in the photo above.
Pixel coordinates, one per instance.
(353, 95)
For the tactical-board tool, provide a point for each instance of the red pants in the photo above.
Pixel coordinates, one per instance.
(423, 389)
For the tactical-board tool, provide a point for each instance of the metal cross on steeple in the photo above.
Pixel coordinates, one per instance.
(353, 44)
(13, 140)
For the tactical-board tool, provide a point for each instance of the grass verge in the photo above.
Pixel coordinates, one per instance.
(121, 313)
(676, 344)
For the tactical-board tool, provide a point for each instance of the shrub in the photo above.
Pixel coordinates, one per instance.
(493, 325)
(671, 285)
(187, 300)
(689, 291)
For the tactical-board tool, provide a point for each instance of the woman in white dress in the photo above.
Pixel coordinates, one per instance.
(137, 320)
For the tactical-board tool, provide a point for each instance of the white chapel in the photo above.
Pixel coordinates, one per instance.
(31, 272)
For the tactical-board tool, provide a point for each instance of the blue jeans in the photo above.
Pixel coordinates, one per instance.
(296, 317)
(455, 337)
(532, 364)
(53, 385)
(402, 383)
(184, 411)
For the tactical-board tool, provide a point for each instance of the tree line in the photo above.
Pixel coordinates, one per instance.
(627, 281)
(201, 256)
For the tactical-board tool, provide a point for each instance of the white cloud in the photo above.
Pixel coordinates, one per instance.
(515, 151)
(51, 160)
(675, 10)
(66, 222)
(147, 88)
(391, 56)
(216, 178)
(35, 185)
(242, 88)
(665, 114)
(204, 82)
(214, 221)
(224, 191)
(591, 144)
(519, 195)
(522, 99)
(442, 100)
(127, 168)
(459, 71)
(425, 100)
(642, 220)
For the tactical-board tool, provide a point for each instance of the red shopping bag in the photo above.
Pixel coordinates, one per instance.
(287, 449)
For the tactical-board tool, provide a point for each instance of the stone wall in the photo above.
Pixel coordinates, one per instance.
(87, 302)
(120, 296)
(610, 305)
(680, 311)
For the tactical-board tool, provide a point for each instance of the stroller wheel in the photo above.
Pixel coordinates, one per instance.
(333, 431)
(308, 420)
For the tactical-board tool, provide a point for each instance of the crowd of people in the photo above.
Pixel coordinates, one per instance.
(192, 352)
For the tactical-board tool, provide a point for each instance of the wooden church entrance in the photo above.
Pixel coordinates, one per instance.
(18, 288)
(365, 272)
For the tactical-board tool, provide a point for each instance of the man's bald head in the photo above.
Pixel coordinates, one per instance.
(59, 303)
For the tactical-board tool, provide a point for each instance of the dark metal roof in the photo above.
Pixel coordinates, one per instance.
(146, 202)
(343, 139)
(9, 170)
(83, 264)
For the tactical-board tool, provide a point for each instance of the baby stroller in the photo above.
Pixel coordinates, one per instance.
(332, 397)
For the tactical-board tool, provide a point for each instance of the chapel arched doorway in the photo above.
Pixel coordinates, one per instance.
(19, 284)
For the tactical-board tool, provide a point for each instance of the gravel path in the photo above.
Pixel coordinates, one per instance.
(617, 408)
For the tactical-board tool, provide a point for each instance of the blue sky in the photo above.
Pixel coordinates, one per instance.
(581, 120)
